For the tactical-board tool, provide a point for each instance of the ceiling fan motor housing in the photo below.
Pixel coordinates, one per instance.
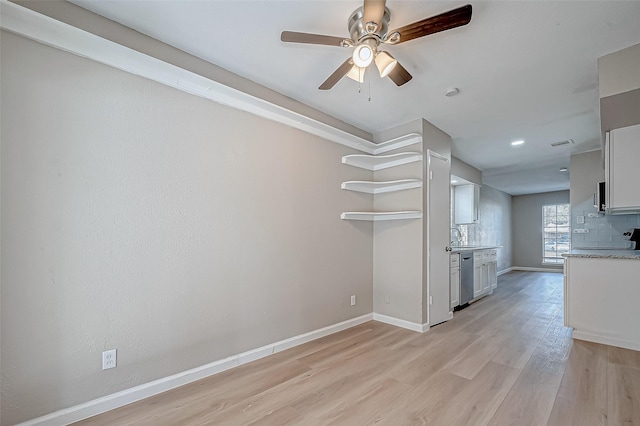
(358, 29)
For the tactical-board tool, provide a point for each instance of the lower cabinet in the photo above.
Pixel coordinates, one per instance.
(485, 272)
(493, 268)
(493, 275)
(477, 274)
(454, 281)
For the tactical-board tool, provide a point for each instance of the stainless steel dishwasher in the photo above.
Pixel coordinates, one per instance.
(466, 277)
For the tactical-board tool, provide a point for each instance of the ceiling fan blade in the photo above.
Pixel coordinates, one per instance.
(373, 11)
(337, 75)
(294, 37)
(399, 75)
(445, 21)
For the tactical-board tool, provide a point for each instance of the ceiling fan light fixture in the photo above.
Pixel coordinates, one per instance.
(365, 52)
(385, 63)
(356, 73)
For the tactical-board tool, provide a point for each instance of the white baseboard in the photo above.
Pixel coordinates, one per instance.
(504, 271)
(526, 268)
(606, 340)
(421, 328)
(127, 396)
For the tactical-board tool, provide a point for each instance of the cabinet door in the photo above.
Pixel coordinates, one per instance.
(493, 274)
(465, 206)
(623, 153)
(455, 287)
(477, 280)
(485, 278)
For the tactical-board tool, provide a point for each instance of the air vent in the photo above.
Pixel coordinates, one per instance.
(567, 142)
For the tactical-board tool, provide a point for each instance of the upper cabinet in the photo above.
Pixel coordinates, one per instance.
(465, 205)
(622, 151)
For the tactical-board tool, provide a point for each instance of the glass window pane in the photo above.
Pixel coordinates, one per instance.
(556, 232)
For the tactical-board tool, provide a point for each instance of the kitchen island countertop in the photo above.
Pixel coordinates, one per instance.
(604, 253)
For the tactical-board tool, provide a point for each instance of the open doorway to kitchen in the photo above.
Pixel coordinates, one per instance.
(556, 232)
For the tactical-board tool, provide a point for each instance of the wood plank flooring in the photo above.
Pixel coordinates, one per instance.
(505, 360)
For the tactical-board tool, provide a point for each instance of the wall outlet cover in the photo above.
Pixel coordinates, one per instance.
(109, 359)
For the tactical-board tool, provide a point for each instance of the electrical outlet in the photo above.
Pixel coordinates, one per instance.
(109, 359)
(431, 300)
(353, 300)
(387, 299)
(580, 220)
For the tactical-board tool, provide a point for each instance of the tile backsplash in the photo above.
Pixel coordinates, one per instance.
(605, 231)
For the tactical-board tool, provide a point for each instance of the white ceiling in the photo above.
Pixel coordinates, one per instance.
(525, 70)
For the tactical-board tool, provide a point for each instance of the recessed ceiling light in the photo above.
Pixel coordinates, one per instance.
(516, 143)
(564, 169)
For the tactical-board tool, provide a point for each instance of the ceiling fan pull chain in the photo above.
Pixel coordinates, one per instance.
(369, 87)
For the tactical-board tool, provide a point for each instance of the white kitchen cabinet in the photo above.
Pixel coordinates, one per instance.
(477, 274)
(601, 300)
(622, 150)
(465, 204)
(493, 275)
(485, 276)
(454, 281)
(493, 268)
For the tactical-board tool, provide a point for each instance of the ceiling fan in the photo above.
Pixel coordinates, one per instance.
(369, 29)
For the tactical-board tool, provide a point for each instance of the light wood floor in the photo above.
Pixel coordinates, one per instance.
(505, 360)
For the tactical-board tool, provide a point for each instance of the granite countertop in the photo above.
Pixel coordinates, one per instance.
(604, 253)
(458, 249)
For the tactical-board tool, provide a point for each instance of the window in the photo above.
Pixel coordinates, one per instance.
(556, 232)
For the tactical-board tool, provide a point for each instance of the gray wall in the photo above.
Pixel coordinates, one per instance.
(527, 227)
(605, 231)
(179, 231)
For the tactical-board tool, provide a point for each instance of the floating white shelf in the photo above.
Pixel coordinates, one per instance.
(381, 187)
(379, 162)
(401, 142)
(378, 216)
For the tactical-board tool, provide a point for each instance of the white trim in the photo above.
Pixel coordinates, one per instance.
(46, 30)
(127, 396)
(421, 328)
(526, 268)
(431, 153)
(43, 29)
(504, 271)
(606, 340)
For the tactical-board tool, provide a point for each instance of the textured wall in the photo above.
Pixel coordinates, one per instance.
(174, 229)
(494, 227)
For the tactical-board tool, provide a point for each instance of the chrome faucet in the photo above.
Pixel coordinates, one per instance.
(458, 239)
